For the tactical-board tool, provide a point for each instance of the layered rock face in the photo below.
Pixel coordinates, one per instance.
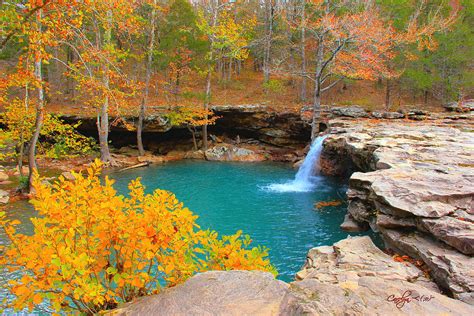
(416, 189)
(353, 277)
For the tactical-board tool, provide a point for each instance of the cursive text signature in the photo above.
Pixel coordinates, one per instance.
(407, 297)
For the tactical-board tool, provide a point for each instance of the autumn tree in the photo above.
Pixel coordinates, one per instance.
(38, 26)
(149, 54)
(350, 39)
(102, 54)
(93, 249)
(182, 46)
(227, 38)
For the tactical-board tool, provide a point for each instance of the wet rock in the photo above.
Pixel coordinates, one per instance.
(349, 111)
(4, 197)
(451, 269)
(388, 115)
(298, 164)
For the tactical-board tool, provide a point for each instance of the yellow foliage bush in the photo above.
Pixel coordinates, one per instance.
(93, 249)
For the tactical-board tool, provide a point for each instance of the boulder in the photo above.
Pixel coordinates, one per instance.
(387, 115)
(454, 106)
(198, 154)
(68, 176)
(4, 197)
(352, 258)
(349, 111)
(227, 152)
(215, 293)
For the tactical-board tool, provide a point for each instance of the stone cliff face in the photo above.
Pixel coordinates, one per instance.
(258, 122)
(416, 189)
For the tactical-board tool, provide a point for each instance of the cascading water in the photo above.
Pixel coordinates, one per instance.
(305, 179)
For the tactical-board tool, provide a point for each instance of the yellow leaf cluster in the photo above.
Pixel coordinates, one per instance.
(93, 249)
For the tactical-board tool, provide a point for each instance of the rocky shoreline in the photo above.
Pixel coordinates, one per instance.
(352, 277)
(414, 187)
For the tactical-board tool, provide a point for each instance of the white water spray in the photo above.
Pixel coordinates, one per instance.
(304, 180)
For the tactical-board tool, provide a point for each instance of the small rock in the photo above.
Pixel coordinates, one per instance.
(151, 159)
(298, 164)
(387, 115)
(198, 154)
(349, 111)
(4, 197)
(3, 176)
(68, 176)
(350, 225)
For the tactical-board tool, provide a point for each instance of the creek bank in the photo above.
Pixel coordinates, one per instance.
(413, 185)
(254, 122)
(353, 277)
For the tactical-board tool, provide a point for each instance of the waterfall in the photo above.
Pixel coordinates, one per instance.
(305, 172)
(304, 180)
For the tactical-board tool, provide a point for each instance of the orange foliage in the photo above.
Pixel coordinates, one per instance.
(323, 204)
(93, 249)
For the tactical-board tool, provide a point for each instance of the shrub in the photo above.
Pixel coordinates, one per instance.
(93, 249)
(273, 85)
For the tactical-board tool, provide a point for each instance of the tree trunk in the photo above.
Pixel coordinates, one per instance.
(229, 74)
(193, 133)
(103, 120)
(39, 117)
(303, 53)
(317, 90)
(149, 64)
(207, 99)
(206, 107)
(387, 95)
(268, 40)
